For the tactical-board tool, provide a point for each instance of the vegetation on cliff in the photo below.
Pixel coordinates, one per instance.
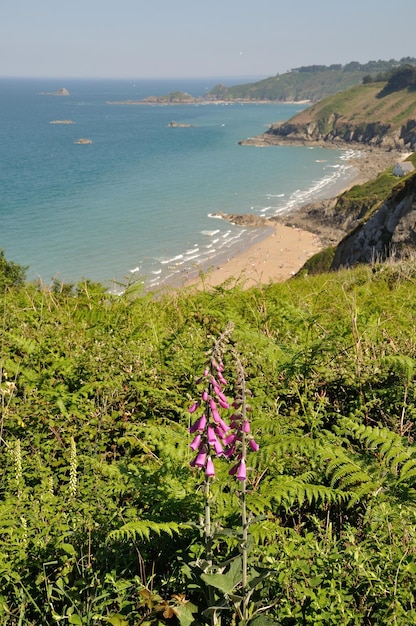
(351, 211)
(100, 512)
(312, 82)
(381, 114)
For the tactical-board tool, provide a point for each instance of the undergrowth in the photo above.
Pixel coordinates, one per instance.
(100, 514)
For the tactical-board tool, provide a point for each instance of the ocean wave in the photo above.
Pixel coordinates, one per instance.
(351, 154)
(209, 233)
(174, 258)
(319, 189)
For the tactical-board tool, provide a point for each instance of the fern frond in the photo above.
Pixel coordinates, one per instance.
(344, 471)
(264, 532)
(289, 490)
(143, 530)
(392, 449)
(408, 471)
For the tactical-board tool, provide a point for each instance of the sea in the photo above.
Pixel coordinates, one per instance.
(138, 201)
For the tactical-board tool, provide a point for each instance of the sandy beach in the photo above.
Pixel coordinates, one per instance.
(281, 254)
(273, 259)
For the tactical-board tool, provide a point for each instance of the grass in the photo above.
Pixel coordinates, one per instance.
(362, 104)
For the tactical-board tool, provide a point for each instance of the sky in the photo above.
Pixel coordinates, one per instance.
(197, 38)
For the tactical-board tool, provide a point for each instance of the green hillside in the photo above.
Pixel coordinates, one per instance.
(292, 86)
(312, 82)
(360, 105)
(381, 114)
(103, 518)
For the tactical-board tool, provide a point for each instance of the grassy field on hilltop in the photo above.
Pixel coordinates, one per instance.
(362, 104)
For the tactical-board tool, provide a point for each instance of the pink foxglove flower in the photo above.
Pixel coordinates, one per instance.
(201, 459)
(253, 445)
(200, 424)
(209, 469)
(229, 453)
(221, 379)
(216, 415)
(230, 439)
(223, 403)
(218, 449)
(219, 432)
(241, 471)
(196, 443)
(211, 436)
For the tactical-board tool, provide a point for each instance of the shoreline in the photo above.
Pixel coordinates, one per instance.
(296, 236)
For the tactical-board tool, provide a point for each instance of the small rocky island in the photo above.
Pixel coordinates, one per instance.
(83, 141)
(174, 124)
(59, 92)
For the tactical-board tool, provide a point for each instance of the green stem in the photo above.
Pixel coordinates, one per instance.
(244, 521)
(215, 621)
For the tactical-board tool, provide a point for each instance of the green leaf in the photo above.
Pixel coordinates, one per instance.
(184, 613)
(262, 620)
(223, 582)
(75, 619)
(68, 548)
(117, 620)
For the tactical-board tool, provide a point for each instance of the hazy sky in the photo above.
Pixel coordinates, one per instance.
(191, 38)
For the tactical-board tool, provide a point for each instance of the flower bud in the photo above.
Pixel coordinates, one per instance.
(233, 470)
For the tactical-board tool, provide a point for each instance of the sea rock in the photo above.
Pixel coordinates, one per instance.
(254, 221)
(61, 92)
(174, 124)
(83, 141)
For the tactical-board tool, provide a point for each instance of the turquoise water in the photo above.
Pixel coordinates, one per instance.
(138, 202)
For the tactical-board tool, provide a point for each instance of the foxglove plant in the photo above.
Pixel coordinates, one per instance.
(214, 437)
(210, 432)
(209, 429)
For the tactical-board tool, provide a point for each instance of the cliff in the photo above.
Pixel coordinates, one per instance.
(367, 114)
(389, 231)
(369, 222)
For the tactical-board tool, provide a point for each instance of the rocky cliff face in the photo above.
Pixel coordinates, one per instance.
(331, 131)
(391, 230)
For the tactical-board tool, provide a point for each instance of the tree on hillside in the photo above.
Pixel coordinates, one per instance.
(10, 273)
(402, 78)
